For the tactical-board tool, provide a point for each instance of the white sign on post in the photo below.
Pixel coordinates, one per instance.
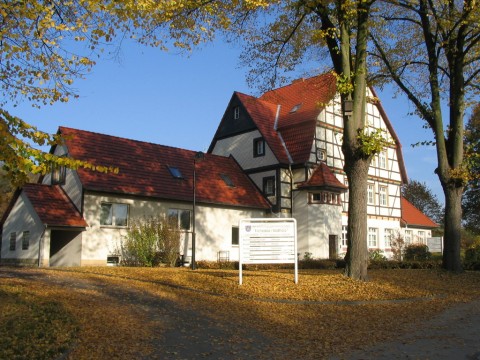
(268, 241)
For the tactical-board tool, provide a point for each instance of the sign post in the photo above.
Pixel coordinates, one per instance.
(268, 241)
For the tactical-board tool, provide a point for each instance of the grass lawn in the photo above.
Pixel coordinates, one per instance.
(41, 316)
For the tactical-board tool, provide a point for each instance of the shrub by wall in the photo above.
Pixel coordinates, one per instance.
(417, 252)
(472, 258)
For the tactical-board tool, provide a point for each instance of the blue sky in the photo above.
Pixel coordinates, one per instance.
(171, 99)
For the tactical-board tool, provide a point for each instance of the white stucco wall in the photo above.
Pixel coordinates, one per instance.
(241, 147)
(214, 230)
(213, 227)
(21, 218)
(315, 223)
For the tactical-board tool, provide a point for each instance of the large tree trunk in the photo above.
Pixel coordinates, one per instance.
(357, 251)
(452, 237)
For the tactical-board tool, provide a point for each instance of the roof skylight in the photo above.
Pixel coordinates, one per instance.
(227, 180)
(176, 173)
(295, 108)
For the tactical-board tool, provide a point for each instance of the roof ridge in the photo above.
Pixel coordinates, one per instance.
(126, 138)
(297, 80)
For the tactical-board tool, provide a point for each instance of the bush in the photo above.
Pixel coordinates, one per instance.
(472, 258)
(397, 245)
(376, 255)
(151, 242)
(417, 252)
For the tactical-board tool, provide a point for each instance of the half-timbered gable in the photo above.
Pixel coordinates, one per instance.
(302, 124)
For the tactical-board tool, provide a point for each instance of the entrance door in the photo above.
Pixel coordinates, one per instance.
(332, 247)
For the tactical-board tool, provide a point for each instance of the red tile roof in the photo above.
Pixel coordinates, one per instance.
(143, 171)
(323, 177)
(311, 95)
(411, 216)
(263, 114)
(53, 206)
(296, 129)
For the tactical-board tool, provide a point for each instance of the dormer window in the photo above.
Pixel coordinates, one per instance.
(236, 112)
(176, 173)
(258, 147)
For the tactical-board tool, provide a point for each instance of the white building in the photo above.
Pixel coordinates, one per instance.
(278, 155)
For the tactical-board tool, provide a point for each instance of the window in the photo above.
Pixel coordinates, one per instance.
(228, 181)
(269, 185)
(236, 112)
(421, 237)
(176, 173)
(58, 174)
(372, 237)
(182, 217)
(235, 235)
(382, 160)
(113, 260)
(13, 241)
(383, 196)
(321, 154)
(371, 194)
(387, 237)
(26, 240)
(344, 235)
(408, 237)
(258, 147)
(295, 108)
(114, 214)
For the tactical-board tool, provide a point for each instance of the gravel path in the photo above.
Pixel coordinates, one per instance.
(453, 334)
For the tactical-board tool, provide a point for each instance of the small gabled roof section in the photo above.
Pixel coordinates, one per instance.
(53, 207)
(144, 170)
(411, 216)
(323, 178)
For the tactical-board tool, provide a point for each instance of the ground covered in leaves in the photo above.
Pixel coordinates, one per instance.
(125, 313)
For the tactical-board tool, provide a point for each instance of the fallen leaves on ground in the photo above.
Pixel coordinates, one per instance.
(325, 313)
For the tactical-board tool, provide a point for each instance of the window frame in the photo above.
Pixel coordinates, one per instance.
(175, 172)
(266, 180)
(235, 236)
(344, 237)
(13, 241)
(383, 195)
(321, 154)
(58, 174)
(408, 238)
(422, 237)
(113, 214)
(382, 160)
(256, 143)
(370, 194)
(25, 240)
(387, 237)
(227, 180)
(177, 213)
(236, 112)
(372, 237)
